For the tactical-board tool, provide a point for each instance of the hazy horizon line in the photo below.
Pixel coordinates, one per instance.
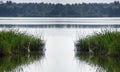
(64, 3)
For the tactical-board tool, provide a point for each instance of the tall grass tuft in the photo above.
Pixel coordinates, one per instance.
(105, 43)
(14, 42)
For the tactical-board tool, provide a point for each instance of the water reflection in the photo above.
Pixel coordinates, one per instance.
(102, 63)
(14, 63)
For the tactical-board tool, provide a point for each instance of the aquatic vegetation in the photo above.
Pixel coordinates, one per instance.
(103, 43)
(13, 42)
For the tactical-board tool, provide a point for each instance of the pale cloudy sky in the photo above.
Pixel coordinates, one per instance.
(66, 1)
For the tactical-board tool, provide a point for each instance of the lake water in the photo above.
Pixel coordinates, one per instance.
(59, 55)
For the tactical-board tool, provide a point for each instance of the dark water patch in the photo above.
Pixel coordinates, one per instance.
(103, 63)
(9, 63)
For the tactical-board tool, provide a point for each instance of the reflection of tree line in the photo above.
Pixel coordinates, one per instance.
(60, 25)
(9, 63)
(104, 64)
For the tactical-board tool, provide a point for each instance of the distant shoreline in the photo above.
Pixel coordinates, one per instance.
(11, 9)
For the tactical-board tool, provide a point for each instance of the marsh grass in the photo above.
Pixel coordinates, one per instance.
(106, 42)
(14, 42)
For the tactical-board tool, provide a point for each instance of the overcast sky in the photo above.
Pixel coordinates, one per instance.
(66, 1)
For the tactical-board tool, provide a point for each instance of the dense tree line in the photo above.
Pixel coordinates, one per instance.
(59, 10)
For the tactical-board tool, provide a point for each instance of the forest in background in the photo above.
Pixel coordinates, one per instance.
(11, 9)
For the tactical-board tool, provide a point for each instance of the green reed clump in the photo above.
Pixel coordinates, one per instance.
(15, 42)
(105, 43)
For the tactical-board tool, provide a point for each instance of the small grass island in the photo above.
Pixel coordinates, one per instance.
(13, 42)
(105, 43)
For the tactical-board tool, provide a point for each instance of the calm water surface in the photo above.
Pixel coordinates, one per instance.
(59, 55)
